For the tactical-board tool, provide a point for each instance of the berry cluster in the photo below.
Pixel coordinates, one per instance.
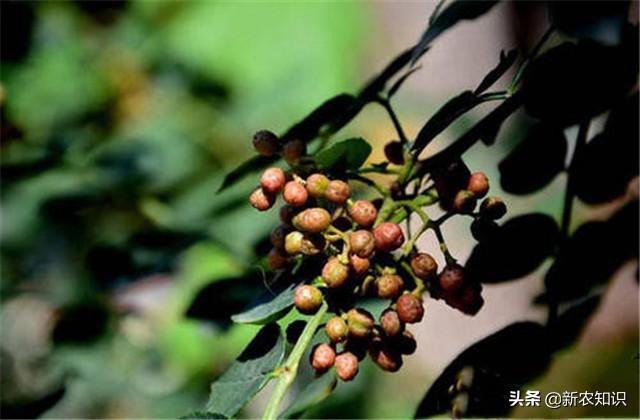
(360, 255)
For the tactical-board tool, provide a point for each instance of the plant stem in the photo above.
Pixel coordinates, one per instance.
(394, 118)
(287, 373)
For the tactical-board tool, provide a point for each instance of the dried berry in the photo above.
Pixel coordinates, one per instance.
(360, 323)
(464, 202)
(478, 184)
(346, 366)
(323, 357)
(317, 185)
(278, 235)
(405, 343)
(334, 273)
(409, 308)
(336, 329)
(293, 150)
(388, 236)
(307, 299)
(266, 143)
(423, 265)
(362, 243)
(390, 323)
(295, 194)
(389, 286)
(364, 213)
(493, 208)
(276, 259)
(394, 153)
(313, 220)
(337, 192)
(272, 180)
(451, 279)
(359, 266)
(293, 242)
(386, 357)
(261, 201)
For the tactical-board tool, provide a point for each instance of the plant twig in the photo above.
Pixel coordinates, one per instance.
(394, 118)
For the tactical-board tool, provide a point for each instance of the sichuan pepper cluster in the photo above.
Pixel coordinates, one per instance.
(361, 257)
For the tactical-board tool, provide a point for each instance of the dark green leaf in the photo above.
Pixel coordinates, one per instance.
(492, 367)
(506, 61)
(348, 154)
(398, 83)
(535, 161)
(377, 84)
(517, 248)
(570, 323)
(316, 391)
(249, 373)
(204, 415)
(455, 12)
(268, 308)
(598, 20)
(252, 165)
(330, 113)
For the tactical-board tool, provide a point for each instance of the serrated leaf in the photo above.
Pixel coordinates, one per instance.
(249, 166)
(316, 391)
(348, 154)
(506, 61)
(267, 308)
(249, 373)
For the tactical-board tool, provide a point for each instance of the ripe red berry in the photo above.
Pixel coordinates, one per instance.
(478, 184)
(394, 153)
(464, 202)
(266, 143)
(336, 329)
(423, 265)
(337, 192)
(260, 200)
(390, 323)
(360, 323)
(313, 220)
(388, 236)
(293, 150)
(451, 279)
(409, 308)
(493, 208)
(334, 273)
(364, 213)
(278, 235)
(359, 266)
(295, 194)
(346, 366)
(323, 357)
(389, 286)
(272, 180)
(362, 243)
(307, 299)
(276, 259)
(317, 185)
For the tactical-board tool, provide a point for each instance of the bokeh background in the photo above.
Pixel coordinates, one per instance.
(119, 121)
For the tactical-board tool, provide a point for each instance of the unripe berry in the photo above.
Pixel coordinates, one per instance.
(386, 357)
(478, 184)
(272, 180)
(346, 366)
(293, 150)
(278, 235)
(423, 265)
(295, 194)
(362, 243)
(409, 308)
(452, 278)
(493, 208)
(337, 192)
(307, 299)
(405, 343)
(336, 329)
(388, 236)
(317, 185)
(394, 153)
(389, 286)
(323, 357)
(334, 273)
(360, 323)
(364, 213)
(313, 220)
(293, 242)
(464, 202)
(359, 266)
(276, 259)
(390, 323)
(261, 201)
(266, 143)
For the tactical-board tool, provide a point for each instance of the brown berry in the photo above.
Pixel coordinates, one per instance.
(386, 357)
(336, 329)
(334, 273)
(276, 259)
(360, 323)
(307, 299)
(278, 235)
(295, 194)
(266, 143)
(390, 323)
(313, 220)
(287, 213)
(409, 308)
(389, 286)
(451, 279)
(346, 366)
(405, 343)
(464, 202)
(468, 300)
(261, 200)
(359, 266)
(293, 150)
(362, 243)
(364, 213)
(323, 357)
(388, 236)
(423, 265)
(394, 153)
(478, 184)
(337, 192)
(317, 185)
(272, 180)
(493, 208)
